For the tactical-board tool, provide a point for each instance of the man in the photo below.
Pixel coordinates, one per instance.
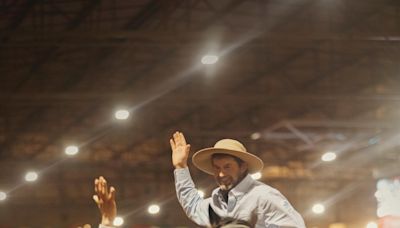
(238, 195)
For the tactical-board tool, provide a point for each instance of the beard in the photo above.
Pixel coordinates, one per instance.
(226, 183)
(226, 187)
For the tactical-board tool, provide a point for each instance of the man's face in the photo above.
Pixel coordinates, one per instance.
(227, 171)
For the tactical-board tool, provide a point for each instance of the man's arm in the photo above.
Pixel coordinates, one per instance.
(105, 200)
(195, 207)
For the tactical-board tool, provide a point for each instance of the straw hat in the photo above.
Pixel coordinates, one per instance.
(202, 158)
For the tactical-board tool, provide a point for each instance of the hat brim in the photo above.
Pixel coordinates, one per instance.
(202, 159)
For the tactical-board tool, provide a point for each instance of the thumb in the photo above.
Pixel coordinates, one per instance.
(97, 200)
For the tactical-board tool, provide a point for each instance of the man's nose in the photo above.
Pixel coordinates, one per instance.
(221, 174)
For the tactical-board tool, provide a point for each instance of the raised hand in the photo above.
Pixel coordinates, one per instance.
(180, 150)
(105, 200)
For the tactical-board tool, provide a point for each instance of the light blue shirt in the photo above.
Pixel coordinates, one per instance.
(250, 201)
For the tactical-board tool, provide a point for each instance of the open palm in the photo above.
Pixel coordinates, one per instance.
(180, 150)
(105, 200)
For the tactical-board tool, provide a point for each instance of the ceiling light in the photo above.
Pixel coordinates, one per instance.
(255, 135)
(121, 114)
(328, 157)
(318, 208)
(3, 196)
(371, 225)
(153, 209)
(31, 176)
(118, 221)
(201, 193)
(71, 150)
(256, 176)
(209, 59)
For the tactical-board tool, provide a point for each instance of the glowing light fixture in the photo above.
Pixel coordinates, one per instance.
(318, 208)
(121, 114)
(328, 157)
(256, 175)
(118, 221)
(201, 193)
(31, 176)
(71, 150)
(153, 209)
(255, 136)
(209, 59)
(371, 225)
(3, 196)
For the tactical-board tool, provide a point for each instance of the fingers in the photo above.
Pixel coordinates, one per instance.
(179, 139)
(104, 186)
(101, 189)
(101, 181)
(176, 138)
(111, 195)
(172, 144)
(96, 185)
(182, 137)
(98, 201)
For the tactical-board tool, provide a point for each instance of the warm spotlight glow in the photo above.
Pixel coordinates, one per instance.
(255, 135)
(31, 176)
(371, 225)
(328, 157)
(3, 196)
(153, 209)
(201, 193)
(256, 175)
(71, 150)
(121, 114)
(318, 208)
(209, 59)
(118, 221)
(337, 225)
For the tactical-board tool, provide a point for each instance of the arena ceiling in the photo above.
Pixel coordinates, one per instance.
(294, 80)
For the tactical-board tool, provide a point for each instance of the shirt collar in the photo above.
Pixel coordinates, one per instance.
(243, 186)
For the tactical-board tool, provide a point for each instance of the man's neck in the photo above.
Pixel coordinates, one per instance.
(225, 193)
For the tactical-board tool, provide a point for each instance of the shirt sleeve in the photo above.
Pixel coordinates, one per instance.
(195, 207)
(278, 212)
